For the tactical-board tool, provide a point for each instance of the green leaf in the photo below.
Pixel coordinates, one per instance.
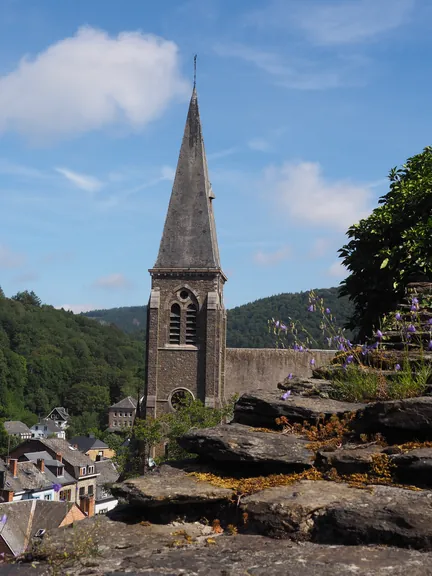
(384, 263)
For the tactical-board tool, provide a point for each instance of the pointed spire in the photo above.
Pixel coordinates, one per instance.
(189, 235)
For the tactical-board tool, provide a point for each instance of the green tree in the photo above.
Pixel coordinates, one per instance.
(84, 396)
(392, 247)
(27, 298)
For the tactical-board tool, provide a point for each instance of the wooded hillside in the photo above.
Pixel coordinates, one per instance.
(51, 357)
(247, 324)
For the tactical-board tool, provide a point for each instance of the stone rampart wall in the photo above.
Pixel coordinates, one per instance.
(248, 369)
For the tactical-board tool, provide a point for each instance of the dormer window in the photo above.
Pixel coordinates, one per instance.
(175, 323)
(83, 471)
(60, 471)
(91, 469)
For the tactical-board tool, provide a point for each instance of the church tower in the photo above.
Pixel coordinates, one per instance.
(186, 317)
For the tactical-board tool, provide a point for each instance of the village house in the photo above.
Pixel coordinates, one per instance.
(92, 447)
(60, 416)
(53, 470)
(47, 428)
(17, 429)
(122, 414)
(108, 474)
(79, 466)
(24, 481)
(21, 523)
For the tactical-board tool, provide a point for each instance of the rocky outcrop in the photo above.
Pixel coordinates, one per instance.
(241, 444)
(189, 550)
(333, 513)
(171, 491)
(316, 387)
(349, 459)
(414, 467)
(261, 408)
(396, 420)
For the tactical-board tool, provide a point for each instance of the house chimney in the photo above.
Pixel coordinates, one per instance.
(59, 457)
(7, 460)
(75, 446)
(41, 464)
(13, 467)
(9, 496)
(91, 506)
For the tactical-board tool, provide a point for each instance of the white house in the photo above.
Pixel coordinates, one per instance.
(47, 429)
(60, 416)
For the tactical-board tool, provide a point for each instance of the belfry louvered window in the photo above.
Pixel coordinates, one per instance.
(191, 322)
(175, 324)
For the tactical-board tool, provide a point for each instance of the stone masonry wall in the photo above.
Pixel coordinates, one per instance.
(248, 369)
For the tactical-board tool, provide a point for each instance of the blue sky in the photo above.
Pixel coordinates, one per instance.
(305, 104)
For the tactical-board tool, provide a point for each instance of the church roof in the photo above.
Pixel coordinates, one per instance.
(189, 235)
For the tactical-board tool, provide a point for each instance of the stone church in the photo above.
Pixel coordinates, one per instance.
(186, 322)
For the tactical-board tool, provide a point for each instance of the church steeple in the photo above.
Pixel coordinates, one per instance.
(189, 237)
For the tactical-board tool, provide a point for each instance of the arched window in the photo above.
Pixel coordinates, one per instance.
(174, 333)
(191, 324)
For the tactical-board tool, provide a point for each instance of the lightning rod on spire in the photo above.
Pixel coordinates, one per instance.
(195, 60)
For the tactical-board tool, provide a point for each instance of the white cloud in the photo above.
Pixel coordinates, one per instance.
(112, 282)
(304, 75)
(345, 22)
(337, 270)
(10, 259)
(272, 258)
(319, 248)
(89, 81)
(307, 197)
(83, 181)
(259, 144)
(78, 308)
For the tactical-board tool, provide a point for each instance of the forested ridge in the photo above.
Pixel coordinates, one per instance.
(51, 357)
(247, 324)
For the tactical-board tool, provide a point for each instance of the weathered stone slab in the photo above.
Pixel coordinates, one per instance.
(348, 459)
(307, 386)
(168, 487)
(149, 550)
(261, 408)
(238, 443)
(414, 467)
(397, 420)
(333, 513)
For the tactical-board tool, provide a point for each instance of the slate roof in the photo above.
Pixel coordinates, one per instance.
(15, 427)
(107, 471)
(29, 477)
(50, 424)
(73, 457)
(126, 403)
(62, 412)
(52, 478)
(189, 234)
(86, 443)
(26, 517)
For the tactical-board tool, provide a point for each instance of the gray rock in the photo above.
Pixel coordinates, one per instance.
(397, 420)
(348, 459)
(169, 487)
(261, 408)
(333, 513)
(414, 467)
(149, 550)
(238, 443)
(307, 386)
